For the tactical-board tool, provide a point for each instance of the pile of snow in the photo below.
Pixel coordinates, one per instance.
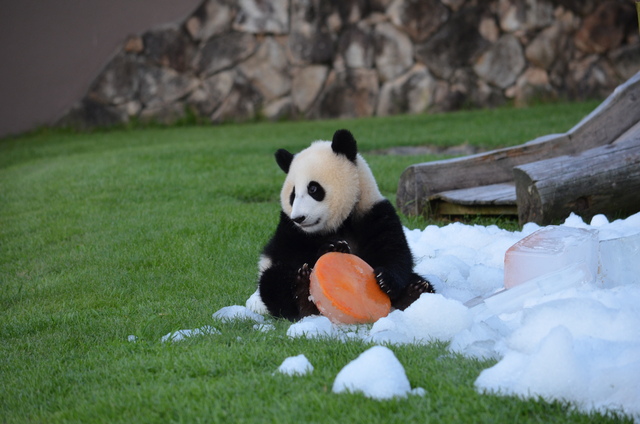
(177, 336)
(311, 327)
(296, 365)
(429, 318)
(574, 340)
(236, 312)
(377, 374)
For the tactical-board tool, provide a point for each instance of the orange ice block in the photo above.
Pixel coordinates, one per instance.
(345, 290)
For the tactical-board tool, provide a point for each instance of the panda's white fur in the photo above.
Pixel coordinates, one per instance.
(331, 202)
(349, 187)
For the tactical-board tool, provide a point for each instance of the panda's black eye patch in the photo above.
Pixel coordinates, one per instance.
(316, 191)
(292, 196)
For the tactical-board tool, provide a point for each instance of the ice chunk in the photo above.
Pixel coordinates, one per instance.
(548, 250)
(431, 317)
(237, 312)
(616, 264)
(376, 373)
(583, 317)
(434, 317)
(296, 365)
(574, 221)
(264, 327)
(180, 335)
(513, 299)
(484, 339)
(314, 326)
(599, 221)
(391, 329)
(418, 391)
(553, 371)
(255, 304)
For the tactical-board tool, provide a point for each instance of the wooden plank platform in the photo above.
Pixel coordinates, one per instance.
(494, 199)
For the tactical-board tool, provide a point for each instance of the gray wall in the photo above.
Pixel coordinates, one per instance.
(51, 50)
(240, 60)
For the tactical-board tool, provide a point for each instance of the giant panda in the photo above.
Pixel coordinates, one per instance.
(331, 202)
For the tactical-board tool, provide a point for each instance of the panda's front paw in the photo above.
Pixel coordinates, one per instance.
(383, 281)
(412, 292)
(340, 246)
(303, 275)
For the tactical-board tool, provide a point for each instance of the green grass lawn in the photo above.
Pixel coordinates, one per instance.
(150, 230)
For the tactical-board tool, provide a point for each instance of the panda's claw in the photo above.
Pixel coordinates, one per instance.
(422, 286)
(342, 246)
(413, 291)
(303, 274)
(381, 282)
(417, 288)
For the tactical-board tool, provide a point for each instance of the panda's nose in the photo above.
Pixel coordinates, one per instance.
(299, 219)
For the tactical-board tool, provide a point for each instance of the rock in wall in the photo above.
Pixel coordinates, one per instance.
(236, 60)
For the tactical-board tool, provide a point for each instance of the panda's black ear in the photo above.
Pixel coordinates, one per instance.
(343, 143)
(284, 158)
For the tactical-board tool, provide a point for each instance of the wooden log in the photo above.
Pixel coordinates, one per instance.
(604, 180)
(613, 117)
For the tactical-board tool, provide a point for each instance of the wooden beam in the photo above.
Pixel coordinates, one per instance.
(604, 180)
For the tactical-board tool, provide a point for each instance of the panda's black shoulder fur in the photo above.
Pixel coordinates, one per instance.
(375, 236)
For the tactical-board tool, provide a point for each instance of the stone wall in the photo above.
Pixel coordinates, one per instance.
(235, 60)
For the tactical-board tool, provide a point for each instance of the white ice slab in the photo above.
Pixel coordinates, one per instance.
(515, 298)
(548, 250)
(620, 261)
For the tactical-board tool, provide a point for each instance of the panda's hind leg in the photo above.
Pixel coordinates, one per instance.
(416, 287)
(303, 296)
(285, 291)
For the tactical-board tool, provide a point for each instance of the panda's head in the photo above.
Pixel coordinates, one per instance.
(324, 183)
